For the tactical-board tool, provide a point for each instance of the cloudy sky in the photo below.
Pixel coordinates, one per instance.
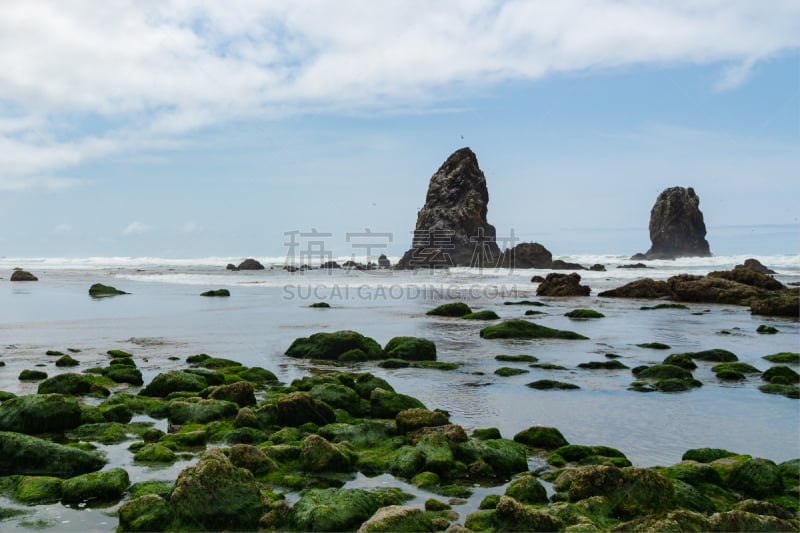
(189, 129)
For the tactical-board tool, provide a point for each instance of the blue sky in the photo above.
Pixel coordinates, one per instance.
(193, 129)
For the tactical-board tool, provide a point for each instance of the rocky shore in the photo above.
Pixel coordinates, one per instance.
(273, 456)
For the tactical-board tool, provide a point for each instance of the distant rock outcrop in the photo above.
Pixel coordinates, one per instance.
(383, 262)
(250, 264)
(756, 265)
(451, 227)
(676, 226)
(23, 275)
(562, 285)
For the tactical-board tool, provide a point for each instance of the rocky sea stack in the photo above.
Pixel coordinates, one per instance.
(451, 227)
(676, 226)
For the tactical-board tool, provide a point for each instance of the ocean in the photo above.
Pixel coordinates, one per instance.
(164, 318)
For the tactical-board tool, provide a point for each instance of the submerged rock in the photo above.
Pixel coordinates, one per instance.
(453, 309)
(334, 345)
(24, 454)
(40, 413)
(22, 275)
(451, 228)
(105, 486)
(332, 509)
(98, 290)
(522, 329)
(216, 292)
(677, 228)
(410, 349)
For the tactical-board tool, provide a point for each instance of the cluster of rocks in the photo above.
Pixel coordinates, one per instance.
(259, 439)
(383, 262)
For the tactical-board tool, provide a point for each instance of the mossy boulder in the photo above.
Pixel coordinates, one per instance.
(37, 490)
(366, 383)
(662, 371)
(654, 345)
(68, 383)
(522, 329)
(549, 384)
(332, 509)
(612, 364)
(28, 455)
(682, 360)
(756, 478)
(738, 368)
(764, 329)
(631, 491)
(546, 438)
(98, 290)
(781, 375)
(397, 518)
(525, 488)
(387, 404)
(216, 293)
(743, 521)
(251, 458)
(32, 375)
(171, 381)
(338, 396)
(147, 513)
(200, 411)
(454, 309)
(317, 454)
(494, 457)
(693, 473)
(410, 349)
(716, 355)
(790, 391)
(333, 345)
(584, 313)
(511, 515)
(706, 455)
(215, 495)
(155, 453)
(241, 393)
(124, 374)
(320, 305)
(506, 371)
(516, 358)
(486, 314)
(587, 455)
(104, 486)
(297, 408)
(416, 418)
(790, 358)
(66, 361)
(40, 413)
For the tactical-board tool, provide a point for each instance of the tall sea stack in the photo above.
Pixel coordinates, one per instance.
(451, 228)
(676, 226)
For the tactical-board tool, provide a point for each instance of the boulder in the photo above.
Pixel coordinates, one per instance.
(383, 262)
(527, 255)
(677, 228)
(297, 408)
(641, 288)
(69, 383)
(332, 509)
(22, 275)
(333, 345)
(416, 418)
(98, 290)
(146, 513)
(40, 413)
(755, 264)
(452, 309)
(27, 455)
(104, 486)
(317, 454)
(250, 264)
(387, 404)
(560, 264)
(251, 458)
(174, 381)
(410, 349)
(200, 412)
(215, 495)
(562, 285)
(216, 292)
(241, 393)
(749, 276)
(37, 490)
(527, 489)
(522, 329)
(541, 437)
(451, 228)
(397, 518)
(232, 267)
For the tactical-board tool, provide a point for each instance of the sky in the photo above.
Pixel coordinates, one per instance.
(203, 128)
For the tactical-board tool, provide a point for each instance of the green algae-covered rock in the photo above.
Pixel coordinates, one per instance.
(240, 392)
(416, 418)
(215, 495)
(682, 360)
(764, 329)
(103, 486)
(98, 290)
(706, 455)
(527, 489)
(319, 455)
(486, 314)
(40, 413)
(486, 433)
(141, 488)
(581, 454)
(584, 313)
(155, 453)
(791, 358)
(631, 491)
(66, 360)
(174, 381)
(654, 345)
(454, 309)
(387, 404)
(546, 438)
(511, 515)
(251, 458)
(744, 521)
(32, 375)
(410, 349)
(757, 478)
(366, 383)
(320, 305)
(397, 518)
(337, 396)
(119, 354)
(200, 412)
(216, 292)
(332, 509)
(716, 355)
(612, 364)
(522, 329)
(689, 497)
(790, 391)
(297, 408)
(664, 372)
(549, 384)
(503, 457)
(147, 513)
(332, 345)
(73, 384)
(693, 473)
(37, 490)
(781, 375)
(516, 358)
(505, 371)
(437, 457)
(24, 454)
(738, 368)
(124, 374)
(680, 521)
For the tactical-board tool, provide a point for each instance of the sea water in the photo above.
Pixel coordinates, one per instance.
(164, 318)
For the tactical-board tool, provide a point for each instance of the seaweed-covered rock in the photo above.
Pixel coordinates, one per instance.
(757, 478)
(40, 413)
(333, 345)
(693, 473)
(452, 309)
(511, 515)
(36, 490)
(777, 303)
(584, 313)
(410, 349)
(241, 393)
(216, 293)
(743, 521)
(251, 458)
(32, 375)
(103, 486)
(706, 455)
(522, 329)
(297, 408)
(682, 360)
(148, 513)
(155, 453)
(562, 285)
(549, 384)
(663, 372)
(527, 489)
(332, 509)
(397, 518)
(780, 375)
(680, 521)
(317, 454)
(612, 364)
(200, 412)
(416, 418)
(174, 381)
(582, 454)
(790, 358)
(716, 355)
(98, 290)
(503, 457)
(338, 396)
(66, 361)
(387, 404)
(68, 383)
(124, 374)
(749, 276)
(24, 454)
(215, 495)
(546, 438)
(486, 314)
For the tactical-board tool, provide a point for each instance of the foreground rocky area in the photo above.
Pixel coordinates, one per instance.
(272, 456)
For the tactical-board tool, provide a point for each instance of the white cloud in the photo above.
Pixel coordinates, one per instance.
(151, 71)
(137, 228)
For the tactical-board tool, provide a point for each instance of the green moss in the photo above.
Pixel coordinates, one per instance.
(437, 365)
(548, 366)
(516, 358)
(706, 455)
(522, 329)
(613, 364)
(486, 433)
(527, 489)
(547, 438)
(98, 290)
(66, 361)
(159, 488)
(757, 478)
(197, 358)
(155, 453)
(32, 375)
(531, 312)
(682, 360)
(217, 292)
(174, 381)
(582, 454)
(655, 345)
(394, 363)
(124, 374)
(68, 383)
(332, 345)
(332, 509)
(481, 315)
(454, 309)
(549, 384)
(387, 404)
(781, 375)
(693, 473)
(738, 368)
(716, 355)
(506, 371)
(104, 486)
(37, 490)
(39, 413)
(116, 354)
(764, 329)
(662, 371)
(410, 349)
(54, 353)
(146, 513)
(791, 358)
(320, 305)
(584, 313)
